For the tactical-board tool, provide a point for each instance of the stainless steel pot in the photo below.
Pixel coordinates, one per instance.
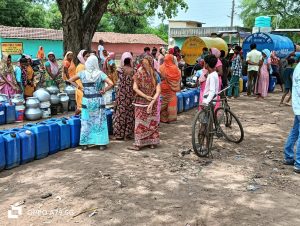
(33, 114)
(64, 100)
(70, 90)
(42, 95)
(54, 99)
(52, 89)
(32, 102)
(3, 98)
(18, 100)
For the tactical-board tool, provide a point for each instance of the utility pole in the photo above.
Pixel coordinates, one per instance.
(231, 18)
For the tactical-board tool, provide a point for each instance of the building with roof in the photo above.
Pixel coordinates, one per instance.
(179, 30)
(120, 43)
(23, 40)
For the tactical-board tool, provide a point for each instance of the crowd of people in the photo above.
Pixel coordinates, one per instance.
(145, 87)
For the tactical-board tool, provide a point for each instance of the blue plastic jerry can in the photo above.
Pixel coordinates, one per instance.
(12, 149)
(186, 100)
(179, 102)
(41, 134)
(65, 133)
(109, 115)
(75, 126)
(2, 153)
(54, 136)
(27, 145)
(10, 112)
(2, 113)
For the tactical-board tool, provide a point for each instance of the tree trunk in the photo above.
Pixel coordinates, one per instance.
(79, 25)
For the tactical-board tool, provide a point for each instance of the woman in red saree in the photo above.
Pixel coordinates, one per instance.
(170, 76)
(147, 88)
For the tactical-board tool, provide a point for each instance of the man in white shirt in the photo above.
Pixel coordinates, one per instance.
(100, 53)
(212, 81)
(290, 156)
(253, 58)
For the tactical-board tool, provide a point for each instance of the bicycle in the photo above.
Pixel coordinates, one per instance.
(208, 123)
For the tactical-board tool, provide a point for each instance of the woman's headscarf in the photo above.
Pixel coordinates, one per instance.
(125, 56)
(92, 70)
(148, 66)
(216, 52)
(28, 57)
(112, 55)
(53, 64)
(268, 54)
(66, 56)
(169, 69)
(170, 72)
(80, 56)
(4, 69)
(51, 53)
(171, 51)
(41, 53)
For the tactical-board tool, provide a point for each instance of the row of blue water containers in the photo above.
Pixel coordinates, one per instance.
(187, 99)
(272, 83)
(37, 141)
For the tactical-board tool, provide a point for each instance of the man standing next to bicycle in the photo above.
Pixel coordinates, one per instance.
(212, 81)
(293, 137)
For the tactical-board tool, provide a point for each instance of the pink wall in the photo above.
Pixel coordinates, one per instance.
(119, 49)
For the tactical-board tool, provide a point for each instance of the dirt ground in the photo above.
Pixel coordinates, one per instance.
(243, 184)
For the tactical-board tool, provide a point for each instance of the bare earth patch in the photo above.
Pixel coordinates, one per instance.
(243, 184)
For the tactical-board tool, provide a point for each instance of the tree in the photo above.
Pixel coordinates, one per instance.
(287, 11)
(80, 18)
(53, 17)
(21, 13)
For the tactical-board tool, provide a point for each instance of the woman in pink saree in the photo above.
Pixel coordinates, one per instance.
(262, 83)
(219, 69)
(8, 83)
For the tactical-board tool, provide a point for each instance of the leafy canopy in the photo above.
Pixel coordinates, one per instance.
(286, 12)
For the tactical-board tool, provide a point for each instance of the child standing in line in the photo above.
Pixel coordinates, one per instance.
(212, 80)
(287, 80)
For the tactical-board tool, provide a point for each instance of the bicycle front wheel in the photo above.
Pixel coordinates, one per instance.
(202, 136)
(229, 125)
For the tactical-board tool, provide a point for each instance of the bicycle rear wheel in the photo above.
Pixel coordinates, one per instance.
(229, 125)
(202, 136)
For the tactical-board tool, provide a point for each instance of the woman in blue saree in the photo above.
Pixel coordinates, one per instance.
(94, 129)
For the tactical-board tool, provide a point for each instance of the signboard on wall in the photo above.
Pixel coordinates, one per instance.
(12, 48)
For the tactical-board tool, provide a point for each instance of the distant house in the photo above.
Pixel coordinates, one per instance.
(23, 40)
(179, 30)
(120, 43)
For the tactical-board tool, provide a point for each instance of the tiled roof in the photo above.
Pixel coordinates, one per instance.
(111, 37)
(30, 33)
(51, 34)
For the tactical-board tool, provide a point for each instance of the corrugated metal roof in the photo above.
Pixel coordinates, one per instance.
(51, 34)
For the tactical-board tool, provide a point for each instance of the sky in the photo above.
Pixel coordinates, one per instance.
(211, 12)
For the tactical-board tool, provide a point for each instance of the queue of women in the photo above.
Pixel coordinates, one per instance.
(145, 89)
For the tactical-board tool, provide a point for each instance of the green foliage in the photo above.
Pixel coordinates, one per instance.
(22, 13)
(124, 16)
(53, 17)
(287, 11)
(161, 31)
